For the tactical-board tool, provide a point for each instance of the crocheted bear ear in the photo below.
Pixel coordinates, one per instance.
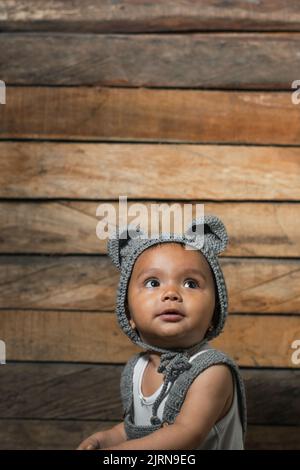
(121, 242)
(215, 234)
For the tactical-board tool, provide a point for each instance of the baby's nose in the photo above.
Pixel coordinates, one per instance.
(171, 295)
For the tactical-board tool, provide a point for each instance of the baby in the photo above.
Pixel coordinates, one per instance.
(181, 393)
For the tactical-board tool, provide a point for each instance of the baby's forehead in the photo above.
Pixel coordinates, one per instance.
(175, 253)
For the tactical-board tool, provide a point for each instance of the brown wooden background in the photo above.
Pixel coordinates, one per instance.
(160, 101)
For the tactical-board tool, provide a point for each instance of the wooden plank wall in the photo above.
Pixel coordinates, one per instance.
(160, 101)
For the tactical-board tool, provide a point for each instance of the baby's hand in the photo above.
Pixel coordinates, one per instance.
(92, 442)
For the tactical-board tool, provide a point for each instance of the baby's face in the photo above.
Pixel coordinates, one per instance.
(169, 276)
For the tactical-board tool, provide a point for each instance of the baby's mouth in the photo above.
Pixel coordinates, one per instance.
(171, 315)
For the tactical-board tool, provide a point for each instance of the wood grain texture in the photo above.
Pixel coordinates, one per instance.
(222, 60)
(142, 16)
(96, 337)
(265, 389)
(69, 227)
(18, 434)
(56, 312)
(43, 435)
(106, 171)
(273, 438)
(90, 282)
(124, 114)
(92, 392)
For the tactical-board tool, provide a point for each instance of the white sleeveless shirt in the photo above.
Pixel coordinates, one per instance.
(227, 433)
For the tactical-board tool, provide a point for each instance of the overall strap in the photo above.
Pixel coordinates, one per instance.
(200, 363)
(126, 383)
(126, 386)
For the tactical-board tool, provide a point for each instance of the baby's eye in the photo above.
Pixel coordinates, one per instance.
(151, 280)
(195, 284)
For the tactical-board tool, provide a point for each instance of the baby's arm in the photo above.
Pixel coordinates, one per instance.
(109, 437)
(207, 401)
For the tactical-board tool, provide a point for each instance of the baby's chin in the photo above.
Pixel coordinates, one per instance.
(169, 342)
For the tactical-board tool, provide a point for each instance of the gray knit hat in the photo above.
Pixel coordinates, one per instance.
(125, 247)
(124, 250)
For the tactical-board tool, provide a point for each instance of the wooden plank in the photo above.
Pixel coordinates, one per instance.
(260, 340)
(42, 435)
(64, 336)
(273, 438)
(263, 286)
(46, 435)
(97, 113)
(60, 393)
(141, 16)
(222, 60)
(90, 282)
(200, 172)
(269, 392)
(68, 227)
(96, 337)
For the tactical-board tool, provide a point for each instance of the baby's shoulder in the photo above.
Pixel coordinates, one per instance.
(217, 380)
(209, 396)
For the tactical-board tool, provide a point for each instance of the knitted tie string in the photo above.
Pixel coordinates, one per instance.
(172, 364)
